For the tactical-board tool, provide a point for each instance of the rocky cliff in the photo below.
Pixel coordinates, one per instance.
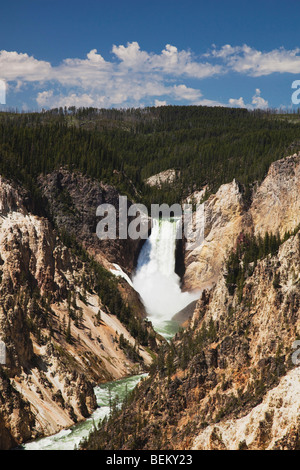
(72, 200)
(274, 208)
(61, 319)
(167, 177)
(230, 380)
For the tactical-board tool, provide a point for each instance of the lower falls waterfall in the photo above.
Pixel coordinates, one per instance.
(156, 280)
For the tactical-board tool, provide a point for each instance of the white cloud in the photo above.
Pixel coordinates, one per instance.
(170, 61)
(16, 66)
(134, 76)
(131, 56)
(206, 102)
(257, 102)
(131, 76)
(44, 97)
(95, 58)
(49, 99)
(158, 103)
(237, 102)
(250, 61)
(224, 52)
(182, 92)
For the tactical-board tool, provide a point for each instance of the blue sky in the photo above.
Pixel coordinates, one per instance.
(142, 53)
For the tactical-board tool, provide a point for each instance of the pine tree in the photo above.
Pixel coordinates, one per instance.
(68, 332)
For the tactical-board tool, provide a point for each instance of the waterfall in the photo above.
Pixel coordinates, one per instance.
(155, 279)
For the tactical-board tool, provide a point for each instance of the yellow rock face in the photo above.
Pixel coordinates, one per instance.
(275, 208)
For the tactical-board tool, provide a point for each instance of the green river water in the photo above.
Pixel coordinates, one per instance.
(68, 439)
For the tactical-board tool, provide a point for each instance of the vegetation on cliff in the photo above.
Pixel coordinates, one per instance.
(243, 259)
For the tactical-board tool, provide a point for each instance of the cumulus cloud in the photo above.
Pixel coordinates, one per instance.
(131, 56)
(176, 62)
(258, 102)
(135, 77)
(207, 102)
(49, 99)
(250, 61)
(17, 66)
(170, 61)
(182, 92)
(158, 103)
(237, 102)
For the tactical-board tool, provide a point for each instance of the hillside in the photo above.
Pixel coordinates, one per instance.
(205, 146)
(230, 379)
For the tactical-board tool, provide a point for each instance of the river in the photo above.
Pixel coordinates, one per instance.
(69, 439)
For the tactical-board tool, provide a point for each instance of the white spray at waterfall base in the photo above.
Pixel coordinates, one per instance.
(156, 280)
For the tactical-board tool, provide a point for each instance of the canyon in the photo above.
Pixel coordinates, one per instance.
(228, 381)
(225, 381)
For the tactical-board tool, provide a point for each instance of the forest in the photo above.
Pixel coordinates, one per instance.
(207, 145)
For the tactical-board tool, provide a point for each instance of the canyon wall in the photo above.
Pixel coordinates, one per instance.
(230, 379)
(275, 208)
(60, 335)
